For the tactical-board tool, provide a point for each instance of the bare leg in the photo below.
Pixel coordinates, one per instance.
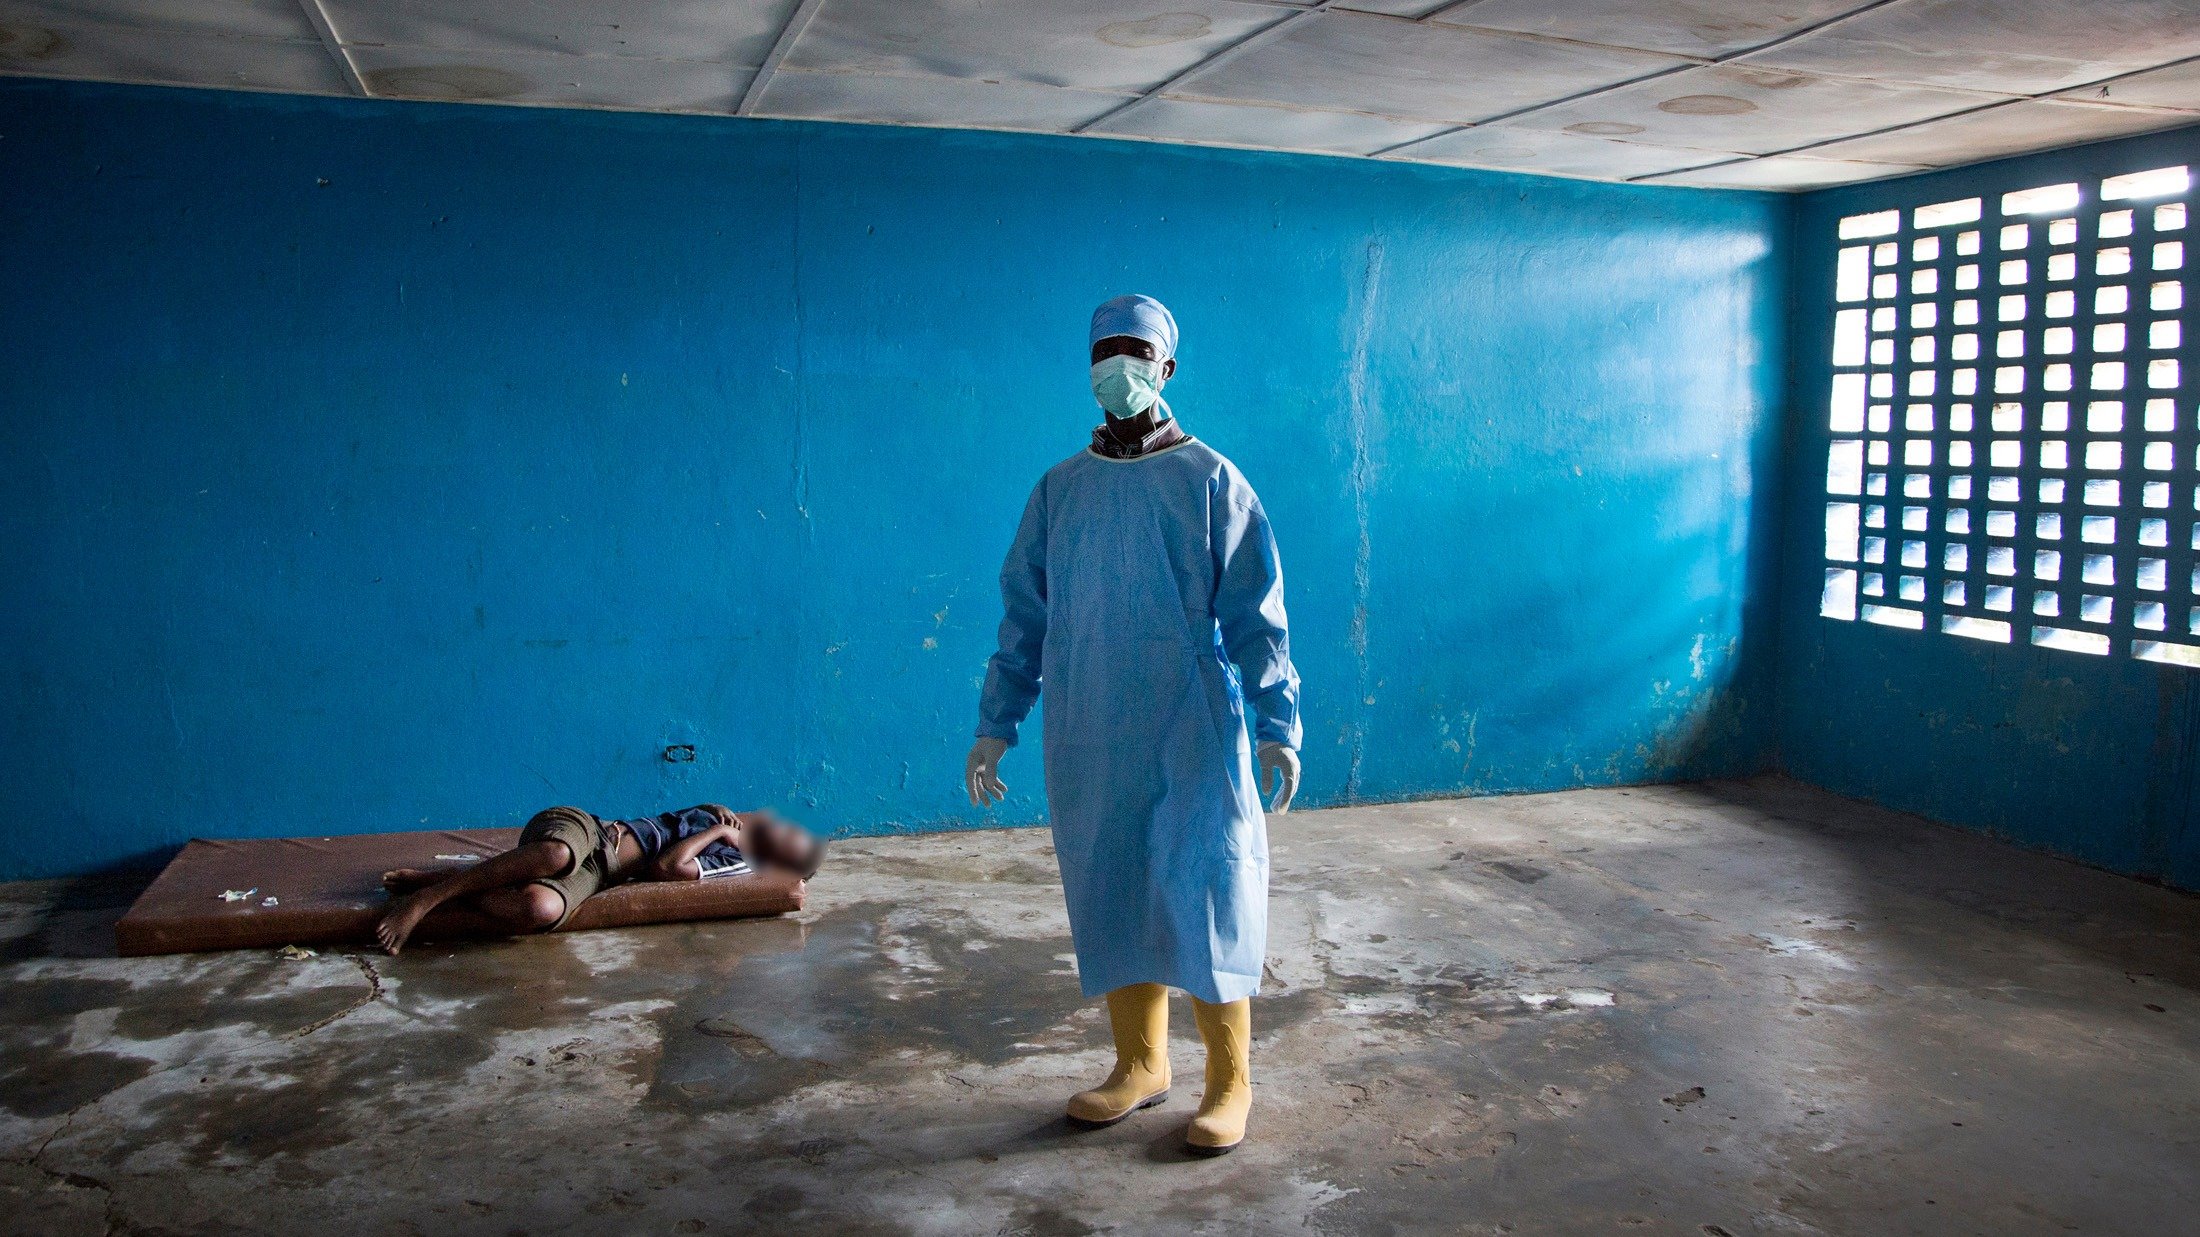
(405, 880)
(529, 908)
(532, 862)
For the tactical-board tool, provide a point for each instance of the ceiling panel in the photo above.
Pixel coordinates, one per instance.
(1516, 148)
(1689, 27)
(255, 19)
(170, 57)
(628, 82)
(1086, 44)
(1606, 89)
(1785, 172)
(730, 31)
(1249, 124)
(2011, 46)
(2005, 130)
(1748, 111)
(1414, 70)
(937, 101)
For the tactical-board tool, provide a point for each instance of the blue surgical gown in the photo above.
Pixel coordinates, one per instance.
(1146, 596)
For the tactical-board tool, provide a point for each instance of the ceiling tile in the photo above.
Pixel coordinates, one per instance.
(2011, 46)
(1278, 128)
(2010, 129)
(1086, 44)
(574, 81)
(1688, 27)
(1747, 111)
(1414, 70)
(941, 101)
(727, 31)
(2176, 85)
(1786, 172)
(1897, 87)
(255, 19)
(1520, 149)
(171, 57)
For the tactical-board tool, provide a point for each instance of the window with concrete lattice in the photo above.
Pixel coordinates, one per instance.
(2013, 452)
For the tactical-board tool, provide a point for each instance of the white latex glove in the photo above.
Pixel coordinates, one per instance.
(982, 772)
(1280, 760)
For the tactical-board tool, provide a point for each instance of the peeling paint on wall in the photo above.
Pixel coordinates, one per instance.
(1362, 476)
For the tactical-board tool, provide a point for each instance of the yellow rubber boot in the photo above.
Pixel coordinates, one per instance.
(1139, 1015)
(1227, 1031)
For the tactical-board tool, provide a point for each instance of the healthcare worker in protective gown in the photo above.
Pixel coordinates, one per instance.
(1143, 594)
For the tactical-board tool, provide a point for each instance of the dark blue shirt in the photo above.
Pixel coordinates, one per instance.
(656, 834)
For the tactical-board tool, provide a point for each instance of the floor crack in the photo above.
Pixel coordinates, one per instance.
(374, 993)
(77, 1181)
(48, 1140)
(62, 1127)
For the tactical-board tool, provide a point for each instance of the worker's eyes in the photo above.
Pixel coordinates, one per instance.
(1139, 348)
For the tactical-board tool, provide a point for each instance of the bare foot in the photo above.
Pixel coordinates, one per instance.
(405, 880)
(398, 922)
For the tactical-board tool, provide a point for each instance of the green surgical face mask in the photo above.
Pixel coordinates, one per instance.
(1126, 385)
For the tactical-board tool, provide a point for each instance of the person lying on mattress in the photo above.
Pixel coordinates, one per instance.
(566, 855)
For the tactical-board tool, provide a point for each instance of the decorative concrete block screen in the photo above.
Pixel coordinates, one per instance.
(2013, 452)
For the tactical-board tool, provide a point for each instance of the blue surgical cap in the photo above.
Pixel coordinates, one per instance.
(1140, 317)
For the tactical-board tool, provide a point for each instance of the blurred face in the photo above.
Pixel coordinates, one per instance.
(770, 841)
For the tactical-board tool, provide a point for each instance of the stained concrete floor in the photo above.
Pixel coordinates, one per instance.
(1722, 1009)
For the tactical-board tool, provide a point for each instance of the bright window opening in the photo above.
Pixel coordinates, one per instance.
(2159, 183)
(1882, 224)
(2045, 200)
(1945, 214)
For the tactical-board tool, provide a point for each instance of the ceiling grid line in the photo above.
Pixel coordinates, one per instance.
(2051, 97)
(797, 22)
(318, 17)
(1265, 34)
(1532, 36)
(1600, 91)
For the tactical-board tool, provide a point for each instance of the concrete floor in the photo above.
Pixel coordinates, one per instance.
(1705, 1010)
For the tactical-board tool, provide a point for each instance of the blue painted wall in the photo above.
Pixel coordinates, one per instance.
(2092, 757)
(369, 466)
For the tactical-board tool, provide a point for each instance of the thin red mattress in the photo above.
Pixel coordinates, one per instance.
(328, 891)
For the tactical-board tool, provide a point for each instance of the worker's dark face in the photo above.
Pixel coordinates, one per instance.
(771, 842)
(1132, 346)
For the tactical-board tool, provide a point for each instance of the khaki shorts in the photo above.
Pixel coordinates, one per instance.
(595, 855)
